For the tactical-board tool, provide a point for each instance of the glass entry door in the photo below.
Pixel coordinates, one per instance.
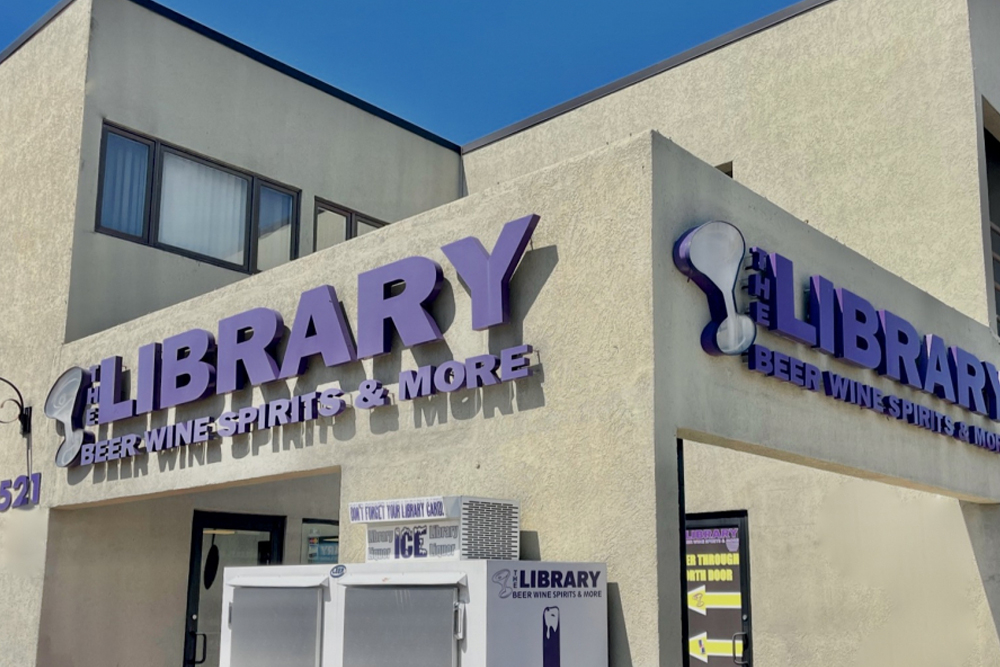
(220, 540)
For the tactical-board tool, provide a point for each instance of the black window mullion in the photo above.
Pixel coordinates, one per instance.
(253, 225)
(153, 226)
(150, 185)
(106, 131)
(296, 226)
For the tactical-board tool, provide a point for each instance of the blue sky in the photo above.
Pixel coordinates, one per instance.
(459, 68)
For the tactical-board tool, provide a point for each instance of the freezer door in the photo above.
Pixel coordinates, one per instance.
(276, 626)
(389, 626)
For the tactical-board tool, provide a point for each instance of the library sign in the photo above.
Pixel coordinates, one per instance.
(841, 324)
(196, 364)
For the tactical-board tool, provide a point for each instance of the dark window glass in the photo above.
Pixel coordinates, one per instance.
(274, 225)
(993, 176)
(996, 294)
(126, 178)
(995, 240)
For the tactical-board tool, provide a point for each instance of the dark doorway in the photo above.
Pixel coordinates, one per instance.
(717, 593)
(220, 540)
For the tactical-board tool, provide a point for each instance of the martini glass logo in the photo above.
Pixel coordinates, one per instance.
(503, 579)
(65, 405)
(712, 255)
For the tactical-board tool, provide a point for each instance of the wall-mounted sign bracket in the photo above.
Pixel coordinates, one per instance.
(23, 412)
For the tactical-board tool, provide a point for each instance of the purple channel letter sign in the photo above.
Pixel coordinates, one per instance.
(488, 276)
(396, 297)
(838, 323)
(419, 281)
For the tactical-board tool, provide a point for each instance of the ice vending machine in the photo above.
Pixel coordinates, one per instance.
(468, 613)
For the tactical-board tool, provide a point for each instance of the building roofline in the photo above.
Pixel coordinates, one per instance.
(720, 42)
(251, 53)
(35, 28)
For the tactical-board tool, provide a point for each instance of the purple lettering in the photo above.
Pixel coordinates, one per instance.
(379, 310)
(969, 378)
(413, 384)
(900, 349)
(147, 395)
(449, 376)
(783, 304)
(822, 312)
(112, 407)
(186, 357)
(246, 346)
(480, 371)
(513, 365)
(857, 326)
(934, 369)
(488, 276)
(320, 328)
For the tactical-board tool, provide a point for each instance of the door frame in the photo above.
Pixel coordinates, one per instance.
(272, 524)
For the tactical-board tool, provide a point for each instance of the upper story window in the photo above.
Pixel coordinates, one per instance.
(164, 197)
(993, 203)
(336, 224)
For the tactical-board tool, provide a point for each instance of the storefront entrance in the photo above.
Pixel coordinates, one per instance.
(220, 540)
(872, 573)
(717, 594)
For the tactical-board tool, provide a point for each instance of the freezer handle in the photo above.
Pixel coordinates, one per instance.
(459, 620)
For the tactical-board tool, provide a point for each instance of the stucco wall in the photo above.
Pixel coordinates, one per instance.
(587, 444)
(984, 22)
(848, 567)
(719, 398)
(857, 117)
(125, 567)
(161, 79)
(41, 114)
(845, 567)
(573, 443)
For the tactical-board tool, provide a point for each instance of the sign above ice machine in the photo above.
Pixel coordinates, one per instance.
(403, 509)
(443, 528)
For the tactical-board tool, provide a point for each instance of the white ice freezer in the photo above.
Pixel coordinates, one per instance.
(470, 613)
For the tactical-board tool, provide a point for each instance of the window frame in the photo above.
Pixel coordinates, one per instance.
(352, 216)
(995, 229)
(150, 178)
(154, 191)
(993, 226)
(257, 184)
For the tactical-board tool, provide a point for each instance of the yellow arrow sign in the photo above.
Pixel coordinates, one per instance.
(701, 601)
(703, 648)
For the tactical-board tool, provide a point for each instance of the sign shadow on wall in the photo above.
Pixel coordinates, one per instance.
(488, 393)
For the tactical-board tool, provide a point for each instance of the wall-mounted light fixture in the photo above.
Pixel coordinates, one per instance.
(23, 412)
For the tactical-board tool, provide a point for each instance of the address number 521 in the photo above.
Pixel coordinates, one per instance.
(20, 492)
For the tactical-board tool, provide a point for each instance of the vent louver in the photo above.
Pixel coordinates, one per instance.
(490, 529)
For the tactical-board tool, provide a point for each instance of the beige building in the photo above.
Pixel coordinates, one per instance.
(163, 184)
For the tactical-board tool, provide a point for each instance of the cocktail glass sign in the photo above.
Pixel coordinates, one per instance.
(841, 324)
